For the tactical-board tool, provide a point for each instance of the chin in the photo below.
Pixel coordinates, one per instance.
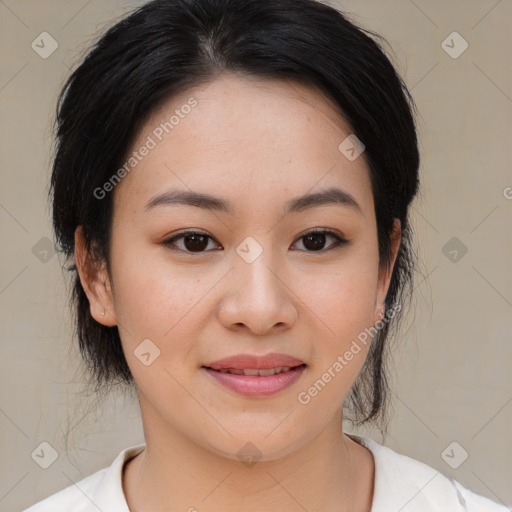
(253, 445)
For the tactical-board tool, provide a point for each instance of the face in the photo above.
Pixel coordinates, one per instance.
(192, 285)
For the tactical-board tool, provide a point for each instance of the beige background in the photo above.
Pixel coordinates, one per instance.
(452, 379)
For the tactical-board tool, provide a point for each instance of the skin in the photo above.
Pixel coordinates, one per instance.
(257, 144)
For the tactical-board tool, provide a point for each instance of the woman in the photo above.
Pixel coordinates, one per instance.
(233, 181)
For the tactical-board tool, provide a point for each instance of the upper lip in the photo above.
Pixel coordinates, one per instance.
(248, 361)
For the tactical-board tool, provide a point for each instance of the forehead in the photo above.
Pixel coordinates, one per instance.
(247, 140)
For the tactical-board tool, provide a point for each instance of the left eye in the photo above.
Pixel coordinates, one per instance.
(316, 240)
(196, 241)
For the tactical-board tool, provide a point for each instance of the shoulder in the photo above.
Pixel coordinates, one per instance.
(100, 491)
(76, 497)
(405, 484)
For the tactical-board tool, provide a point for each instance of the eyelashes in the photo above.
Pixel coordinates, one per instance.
(198, 240)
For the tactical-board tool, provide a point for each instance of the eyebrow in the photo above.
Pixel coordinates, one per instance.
(329, 196)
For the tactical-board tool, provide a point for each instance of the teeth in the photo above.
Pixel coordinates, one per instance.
(251, 372)
(255, 371)
(232, 370)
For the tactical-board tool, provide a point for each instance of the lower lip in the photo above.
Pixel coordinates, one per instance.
(254, 385)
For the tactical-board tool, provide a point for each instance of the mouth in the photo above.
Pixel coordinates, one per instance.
(256, 372)
(256, 382)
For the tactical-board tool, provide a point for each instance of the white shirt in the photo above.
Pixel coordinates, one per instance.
(402, 484)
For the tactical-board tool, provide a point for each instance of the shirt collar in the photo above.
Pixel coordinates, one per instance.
(110, 495)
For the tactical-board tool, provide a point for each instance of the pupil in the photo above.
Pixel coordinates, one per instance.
(318, 241)
(198, 242)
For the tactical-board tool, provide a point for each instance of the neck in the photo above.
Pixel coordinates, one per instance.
(331, 472)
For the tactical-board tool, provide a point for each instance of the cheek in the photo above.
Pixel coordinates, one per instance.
(154, 299)
(158, 302)
(341, 301)
(343, 295)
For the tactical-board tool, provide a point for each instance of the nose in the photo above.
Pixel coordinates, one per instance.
(257, 297)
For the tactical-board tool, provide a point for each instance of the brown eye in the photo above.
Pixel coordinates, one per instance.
(193, 241)
(315, 240)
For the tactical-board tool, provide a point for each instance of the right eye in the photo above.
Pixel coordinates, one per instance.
(193, 241)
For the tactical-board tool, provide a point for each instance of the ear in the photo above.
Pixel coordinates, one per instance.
(385, 273)
(95, 281)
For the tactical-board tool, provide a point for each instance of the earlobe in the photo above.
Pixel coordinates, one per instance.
(95, 282)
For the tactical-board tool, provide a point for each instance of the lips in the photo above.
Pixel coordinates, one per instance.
(254, 372)
(253, 362)
(256, 376)
(255, 385)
